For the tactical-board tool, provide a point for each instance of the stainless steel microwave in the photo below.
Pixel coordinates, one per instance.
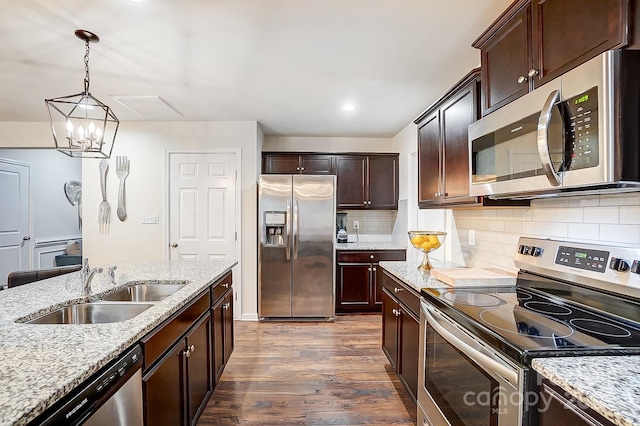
(577, 134)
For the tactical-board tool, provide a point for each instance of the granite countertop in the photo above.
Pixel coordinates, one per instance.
(43, 362)
(609, 385)
(371, 245)
(408, 273)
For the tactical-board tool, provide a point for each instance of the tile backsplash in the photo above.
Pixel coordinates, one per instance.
(606, 219)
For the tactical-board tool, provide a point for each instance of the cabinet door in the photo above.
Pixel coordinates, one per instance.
(376, 286)
(353, 292)
(284, 164)
(505, 58)
(228, 338)
(570, 32)
(218, 321)
(383, 182)
(560, 411)
(314, 164)
(198, 358)
(164, 390)
(456, 116)
(351, 172)
(408, 342)
(389, 328)
(429, 160)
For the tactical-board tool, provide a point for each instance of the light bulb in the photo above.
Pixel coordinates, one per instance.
(91, 129)
(98, 134)
(80, 132)
(69, 128)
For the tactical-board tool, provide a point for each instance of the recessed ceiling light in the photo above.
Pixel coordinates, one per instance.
(348, 107)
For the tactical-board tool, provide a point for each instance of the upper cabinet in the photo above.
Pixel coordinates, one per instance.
(443, 146)
(309, 164)
(535, 41)
(368, 181)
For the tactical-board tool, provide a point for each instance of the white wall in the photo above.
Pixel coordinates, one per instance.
(327, 144)
(146, 145)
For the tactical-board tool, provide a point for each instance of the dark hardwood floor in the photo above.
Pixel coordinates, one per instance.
(297, 373)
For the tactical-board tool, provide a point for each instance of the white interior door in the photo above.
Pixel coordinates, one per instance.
(14, 218)
(202, 206)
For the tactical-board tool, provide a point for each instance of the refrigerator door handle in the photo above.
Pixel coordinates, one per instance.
(296, 229)
(288, 231)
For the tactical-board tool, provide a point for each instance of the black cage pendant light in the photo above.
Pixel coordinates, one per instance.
(83, 126)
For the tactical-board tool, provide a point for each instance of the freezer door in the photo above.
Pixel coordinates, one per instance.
(274, 264)
(312, 248)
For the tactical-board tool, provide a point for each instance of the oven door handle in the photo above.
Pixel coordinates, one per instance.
(543, 138)
(487, 363)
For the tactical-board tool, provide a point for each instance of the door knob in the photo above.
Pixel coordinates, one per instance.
(522, 79)
(174, 245)
(532, 72)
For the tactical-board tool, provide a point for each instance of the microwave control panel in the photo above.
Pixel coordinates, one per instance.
(582, 133)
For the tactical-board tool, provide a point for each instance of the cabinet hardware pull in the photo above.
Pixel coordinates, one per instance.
(532, 72)
(522, 79)
(297, 168)
(374, 269)
(225, 285)
(26, 238)
(187, 353)
(192, 348)
(302, 168)
(174, 245)
(369, 269)
(397, 290)
(372, 257)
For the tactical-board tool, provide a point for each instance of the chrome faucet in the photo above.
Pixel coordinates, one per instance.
(112, 273)
(86, 275)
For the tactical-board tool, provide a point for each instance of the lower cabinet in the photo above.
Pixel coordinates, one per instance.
(222, 312)
(357, 289)
(564, 410)
(178, 387)
(185, 356)
(401, 330)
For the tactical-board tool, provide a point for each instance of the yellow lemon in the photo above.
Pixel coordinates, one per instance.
(417, 240)
(435, 243)
(426, 245)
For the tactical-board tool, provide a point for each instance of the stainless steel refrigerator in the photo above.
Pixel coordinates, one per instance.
(296, 256)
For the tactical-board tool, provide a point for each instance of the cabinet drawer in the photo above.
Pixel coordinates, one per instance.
(405, 294)
(221, 287)
(166, 334)
(373, 256)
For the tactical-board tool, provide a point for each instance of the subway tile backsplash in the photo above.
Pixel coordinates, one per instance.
(606, 219)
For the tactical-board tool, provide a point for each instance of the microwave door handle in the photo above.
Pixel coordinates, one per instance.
(543, 136)
(481, 359)
(288, 231)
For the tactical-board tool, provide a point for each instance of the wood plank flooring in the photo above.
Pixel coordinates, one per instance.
(297, 373)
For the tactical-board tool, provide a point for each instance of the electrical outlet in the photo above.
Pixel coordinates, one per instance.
(472, 237)
(150, 218)
(356, 224)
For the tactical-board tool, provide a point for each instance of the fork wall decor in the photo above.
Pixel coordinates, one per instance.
(104, 209)
(122, 171)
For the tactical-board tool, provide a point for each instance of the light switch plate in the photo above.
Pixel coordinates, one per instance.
(150, 218)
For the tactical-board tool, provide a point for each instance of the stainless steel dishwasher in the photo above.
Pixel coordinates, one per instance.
(113, 396)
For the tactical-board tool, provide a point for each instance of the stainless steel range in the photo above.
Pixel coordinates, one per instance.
(476, 344)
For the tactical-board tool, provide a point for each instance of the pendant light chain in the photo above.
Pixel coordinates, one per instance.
(86, 67)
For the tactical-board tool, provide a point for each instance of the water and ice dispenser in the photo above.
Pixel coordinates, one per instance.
(275, 232)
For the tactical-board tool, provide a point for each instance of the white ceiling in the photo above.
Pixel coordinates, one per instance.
(288, 64)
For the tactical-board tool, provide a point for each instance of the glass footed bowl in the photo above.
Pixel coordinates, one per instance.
(426, 241)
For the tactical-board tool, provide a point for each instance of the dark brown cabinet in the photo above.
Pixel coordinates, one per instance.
(401, 330)
(222, 313)
(443, 147)
(185, 356)
(357, 289)
(178, 388)
(367, 181)
(534, 42)
(563, 410)
(310, 164)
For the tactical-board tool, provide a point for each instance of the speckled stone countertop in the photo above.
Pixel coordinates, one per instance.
(408, 273)
(371, 245)
(609, 385)
(41, 362)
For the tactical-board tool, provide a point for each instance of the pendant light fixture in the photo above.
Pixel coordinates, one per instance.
(83, 126)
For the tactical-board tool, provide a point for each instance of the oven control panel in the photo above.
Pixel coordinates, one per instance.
(588, 259)
(614, 268)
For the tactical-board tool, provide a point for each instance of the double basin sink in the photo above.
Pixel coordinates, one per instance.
(118, 306)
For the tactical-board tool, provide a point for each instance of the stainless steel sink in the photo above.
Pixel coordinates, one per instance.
(92, 313)
(144, 293)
